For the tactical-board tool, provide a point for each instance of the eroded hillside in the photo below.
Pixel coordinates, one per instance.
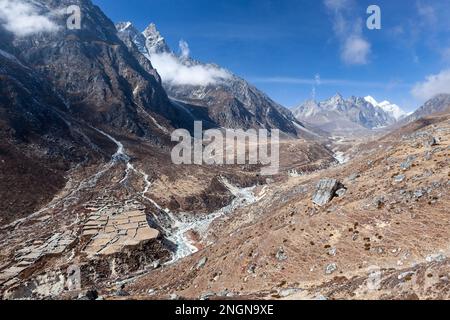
(391, 219)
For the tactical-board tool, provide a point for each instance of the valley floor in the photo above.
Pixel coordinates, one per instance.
(135, 228)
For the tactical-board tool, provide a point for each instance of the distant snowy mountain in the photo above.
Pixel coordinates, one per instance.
(345, 116)
(393, 109)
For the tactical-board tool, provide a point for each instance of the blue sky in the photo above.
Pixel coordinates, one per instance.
(285, 46)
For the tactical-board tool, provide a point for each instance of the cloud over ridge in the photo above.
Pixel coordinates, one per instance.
(433, 85)
(183, 71)
(23, 18)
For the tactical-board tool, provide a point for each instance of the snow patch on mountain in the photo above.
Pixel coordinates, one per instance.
(355, 114)
(394, 110)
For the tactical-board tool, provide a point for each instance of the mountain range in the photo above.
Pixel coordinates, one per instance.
(392, 109)
(229, 100)
(347, 116)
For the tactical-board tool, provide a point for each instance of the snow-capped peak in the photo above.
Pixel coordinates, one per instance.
(394, 110)
(123, 26)
(371, 100)
(337, 97)
(155, 42)
(335, 101)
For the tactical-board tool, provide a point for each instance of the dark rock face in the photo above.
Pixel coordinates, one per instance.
(132, 38)
(38, 140)
(54, 86)
(154, 40)
(101, 80)
(236, 104)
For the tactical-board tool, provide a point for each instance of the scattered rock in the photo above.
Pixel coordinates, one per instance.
(354, 176)
(436, 258)
(331, 268)
(122, 293)
(332, 252)
(283, 293)
(207, 296)
(251, 268)
(174, 296)
(419, 193)
(281, 255)
(379, 202)
(399, 178)
(223, 293)
(407, 164)
(430, 142)
(341, 192)
(201, 263)
(156, 264)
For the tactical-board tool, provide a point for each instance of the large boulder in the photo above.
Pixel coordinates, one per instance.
(326, 191)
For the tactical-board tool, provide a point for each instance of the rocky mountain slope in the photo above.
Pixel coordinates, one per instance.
(347, 116)
(85, 169)
(99, 78)
(58, 89)
(85, 161)
(381, 233)
(231, 102)
(39, 140)
(440, 103)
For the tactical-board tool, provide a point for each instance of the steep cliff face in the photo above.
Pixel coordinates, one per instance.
(56, 85)
(39, 141)
(101, 80)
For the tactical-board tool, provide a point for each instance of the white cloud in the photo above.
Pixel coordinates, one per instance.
(433, 85)
(427, 13)
(337, 4)
(387, 85)
(184, 48)
(317, 79)
(177, 71)
(355, 50)
(23, 18)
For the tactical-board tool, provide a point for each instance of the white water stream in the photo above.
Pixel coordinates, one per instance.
(180, 224)
(175, 226)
